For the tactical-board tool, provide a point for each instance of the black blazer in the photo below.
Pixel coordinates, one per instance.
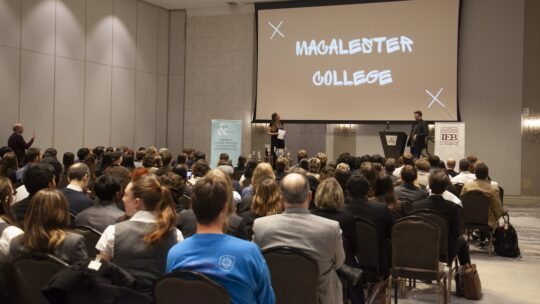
(448, 211)
(380, 216)
(346, 223)
(78, 201)
(420, 129)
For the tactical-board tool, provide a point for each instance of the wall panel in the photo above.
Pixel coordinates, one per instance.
(9, 86)
(123, 107)
(37, 96)
(97, 106)
(145, 109)
(69, 104)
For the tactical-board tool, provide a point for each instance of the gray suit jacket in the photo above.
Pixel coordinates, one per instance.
(319, 237)
(99, 216)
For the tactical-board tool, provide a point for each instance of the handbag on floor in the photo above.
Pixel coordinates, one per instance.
(505, 239)
(468, 283)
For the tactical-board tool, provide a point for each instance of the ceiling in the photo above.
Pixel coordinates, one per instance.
(187, 4)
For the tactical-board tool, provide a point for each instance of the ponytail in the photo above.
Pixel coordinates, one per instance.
(165, 218)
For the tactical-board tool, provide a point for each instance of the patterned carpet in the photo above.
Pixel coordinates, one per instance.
(504, 280)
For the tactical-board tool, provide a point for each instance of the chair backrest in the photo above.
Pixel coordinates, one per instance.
(294, 275)
(36, 270)
(458, 187)
(72, 217)
(475, 207)
(91, 237)
(443, 228)
(367, 251)
(188, 287)
(415, 244)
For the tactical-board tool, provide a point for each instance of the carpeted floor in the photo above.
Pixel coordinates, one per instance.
(504, 280)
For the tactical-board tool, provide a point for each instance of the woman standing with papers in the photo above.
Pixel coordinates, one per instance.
(277, 136)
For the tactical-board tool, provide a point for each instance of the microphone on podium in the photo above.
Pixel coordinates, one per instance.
(387, 126)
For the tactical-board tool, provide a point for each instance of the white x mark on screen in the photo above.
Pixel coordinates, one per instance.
(435, 98)
(276, 30)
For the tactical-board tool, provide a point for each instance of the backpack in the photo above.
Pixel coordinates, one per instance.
(506, 239)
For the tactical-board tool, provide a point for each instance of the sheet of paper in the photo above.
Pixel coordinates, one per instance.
(281, 134)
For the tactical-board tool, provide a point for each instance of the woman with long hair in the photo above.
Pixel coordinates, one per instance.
(384, 193)
(46, 229)
(273, 130)
(266, 201)
(329, 200)
(8, 230)
(140, 244)
(261, 172)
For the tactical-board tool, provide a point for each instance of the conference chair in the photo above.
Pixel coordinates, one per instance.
(294, 275)
(185, 286)
(458, 187)
(72, 217)
(36, 270)
(446, 255)
(91, 237)
(415, 254)
(476, 214)
(501, 194)
(367, 251)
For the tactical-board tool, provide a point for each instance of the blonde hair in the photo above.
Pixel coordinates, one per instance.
(261, 172)
(329, 195)
(267, 199)
(46, 218)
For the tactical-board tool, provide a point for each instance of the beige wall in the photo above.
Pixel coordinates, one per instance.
(219, 69)
(177, 56)
(530, 156)
(84, 72)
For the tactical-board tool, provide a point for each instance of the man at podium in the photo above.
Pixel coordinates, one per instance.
(419, 133)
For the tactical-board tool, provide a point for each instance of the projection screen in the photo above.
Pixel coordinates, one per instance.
(358, 62)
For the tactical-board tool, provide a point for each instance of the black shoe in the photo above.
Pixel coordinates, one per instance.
(351, 274)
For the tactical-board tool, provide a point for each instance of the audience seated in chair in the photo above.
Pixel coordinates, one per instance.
(464, 176)
(318, 237)
(8, 229)
(483, 184)
(104, 212)
(45, 229)
(452, 213)
(37, 177)
(329, 200)
(236, 264)
(408, 192)
(376, 213)
(140, 244)
(75, 192)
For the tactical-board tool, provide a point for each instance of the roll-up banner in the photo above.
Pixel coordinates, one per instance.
(450, 140)
(226, 138)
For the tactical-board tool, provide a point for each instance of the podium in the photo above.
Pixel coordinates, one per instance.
(393, 143)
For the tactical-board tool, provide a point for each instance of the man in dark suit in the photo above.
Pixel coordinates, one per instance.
(36, 177)
(419, 133)
(104, 212)
(17, 143)
(438, 182)
(377, 213)
(408, 192)
(75, 192)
